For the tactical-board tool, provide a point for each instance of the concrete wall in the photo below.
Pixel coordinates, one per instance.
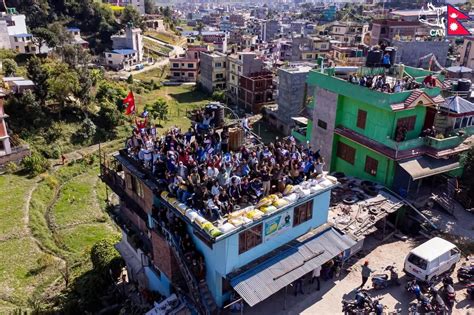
(409, 53)
(205, 77)
(291, 94)
(325, 109)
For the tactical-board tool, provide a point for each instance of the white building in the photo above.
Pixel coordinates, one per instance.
(127, 49)
(76, 38)
(14, 34)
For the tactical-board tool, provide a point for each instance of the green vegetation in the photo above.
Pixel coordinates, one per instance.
(66, 217)
(180, 99)
(156, 47)
(165, 37)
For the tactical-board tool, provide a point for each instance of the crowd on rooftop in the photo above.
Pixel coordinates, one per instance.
(380, 83)
(198, 168)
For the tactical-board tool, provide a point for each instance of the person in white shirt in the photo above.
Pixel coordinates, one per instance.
(315, 276)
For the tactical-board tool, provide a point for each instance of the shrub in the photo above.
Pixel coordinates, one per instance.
(11, 167)
(51, 181)
(104, 256)
(35, 164)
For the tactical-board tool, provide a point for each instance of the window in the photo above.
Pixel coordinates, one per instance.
(361, 118)
(239, 68)
(175, 65)
(322, 124)
(418, 261)
(407, 122)
(303, 213)
(218, 65)
(219, 76)
(190, 65)
(250, 238)
(176, 74)
(371, 165)
(191, 75)
(345, 152)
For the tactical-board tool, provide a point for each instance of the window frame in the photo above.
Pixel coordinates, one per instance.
(409, 122)
(346, 152)
(303, 213)
(361, 121)
(371, 165)
(250, 238)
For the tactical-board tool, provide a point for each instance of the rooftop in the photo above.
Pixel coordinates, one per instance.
(218, 190)
(23, 35)
(124, 51)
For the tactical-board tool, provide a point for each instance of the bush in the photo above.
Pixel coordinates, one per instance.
(35, 164)
(51, 181)
(104, 256)
(87, 130)
(11, 168)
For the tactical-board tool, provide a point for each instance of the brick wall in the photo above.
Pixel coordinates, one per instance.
(163, 257)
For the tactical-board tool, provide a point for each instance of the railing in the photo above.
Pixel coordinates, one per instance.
(191, 281)
(441, 144)
(405, 145)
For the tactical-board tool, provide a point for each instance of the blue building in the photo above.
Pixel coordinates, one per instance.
(251, 253)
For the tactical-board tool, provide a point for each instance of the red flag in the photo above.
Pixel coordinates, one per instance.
(130, 102)
(455, 28)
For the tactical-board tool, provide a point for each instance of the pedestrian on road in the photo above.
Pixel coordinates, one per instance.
(298, 284)
(315, 276)
(63, 159)
(366, 271)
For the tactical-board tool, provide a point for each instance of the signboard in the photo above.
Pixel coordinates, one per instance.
(278, 224)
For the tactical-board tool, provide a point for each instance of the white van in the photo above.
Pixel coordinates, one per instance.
(431, 258)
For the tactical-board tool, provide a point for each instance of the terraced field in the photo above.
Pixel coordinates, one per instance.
(47, 221)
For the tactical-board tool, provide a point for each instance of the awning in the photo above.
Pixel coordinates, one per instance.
(301, 120)
(422, 167)
(257, 284)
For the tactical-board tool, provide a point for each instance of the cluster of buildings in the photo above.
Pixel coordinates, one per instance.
(407, 140)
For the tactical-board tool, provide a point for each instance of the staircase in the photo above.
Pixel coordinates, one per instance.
(199, 290)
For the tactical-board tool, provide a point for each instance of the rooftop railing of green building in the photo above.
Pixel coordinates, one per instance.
(435, 143)
(361, 93)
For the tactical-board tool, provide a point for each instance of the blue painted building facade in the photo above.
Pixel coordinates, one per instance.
(223, 256)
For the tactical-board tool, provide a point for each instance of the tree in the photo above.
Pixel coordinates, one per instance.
(83, 91)
(218, 96)
(104, 257)
(9, 67)
(200, 27)
(40, 76)
(150, 7)
(130, 15)
(158, 110)
(44, 36)
(74, 55)
(35, 164)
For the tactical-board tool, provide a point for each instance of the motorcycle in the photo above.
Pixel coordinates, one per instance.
(363, 304)
(448, 292)
(438, 303)
(466, 273)
(470, 291)
(381, 281)
(423, 302)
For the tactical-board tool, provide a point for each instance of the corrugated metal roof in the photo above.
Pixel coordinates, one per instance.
(274, 274)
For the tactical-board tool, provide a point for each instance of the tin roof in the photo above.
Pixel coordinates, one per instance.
(300, 257)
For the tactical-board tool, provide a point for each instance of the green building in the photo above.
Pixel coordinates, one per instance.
(380, 136)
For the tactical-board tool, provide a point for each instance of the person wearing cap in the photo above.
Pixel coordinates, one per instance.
(366, 271)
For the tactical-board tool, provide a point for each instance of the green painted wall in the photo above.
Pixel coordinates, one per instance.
(380, 123)
(419, 112)
(385, 168)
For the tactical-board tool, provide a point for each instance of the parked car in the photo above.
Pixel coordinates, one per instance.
(431, 259)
